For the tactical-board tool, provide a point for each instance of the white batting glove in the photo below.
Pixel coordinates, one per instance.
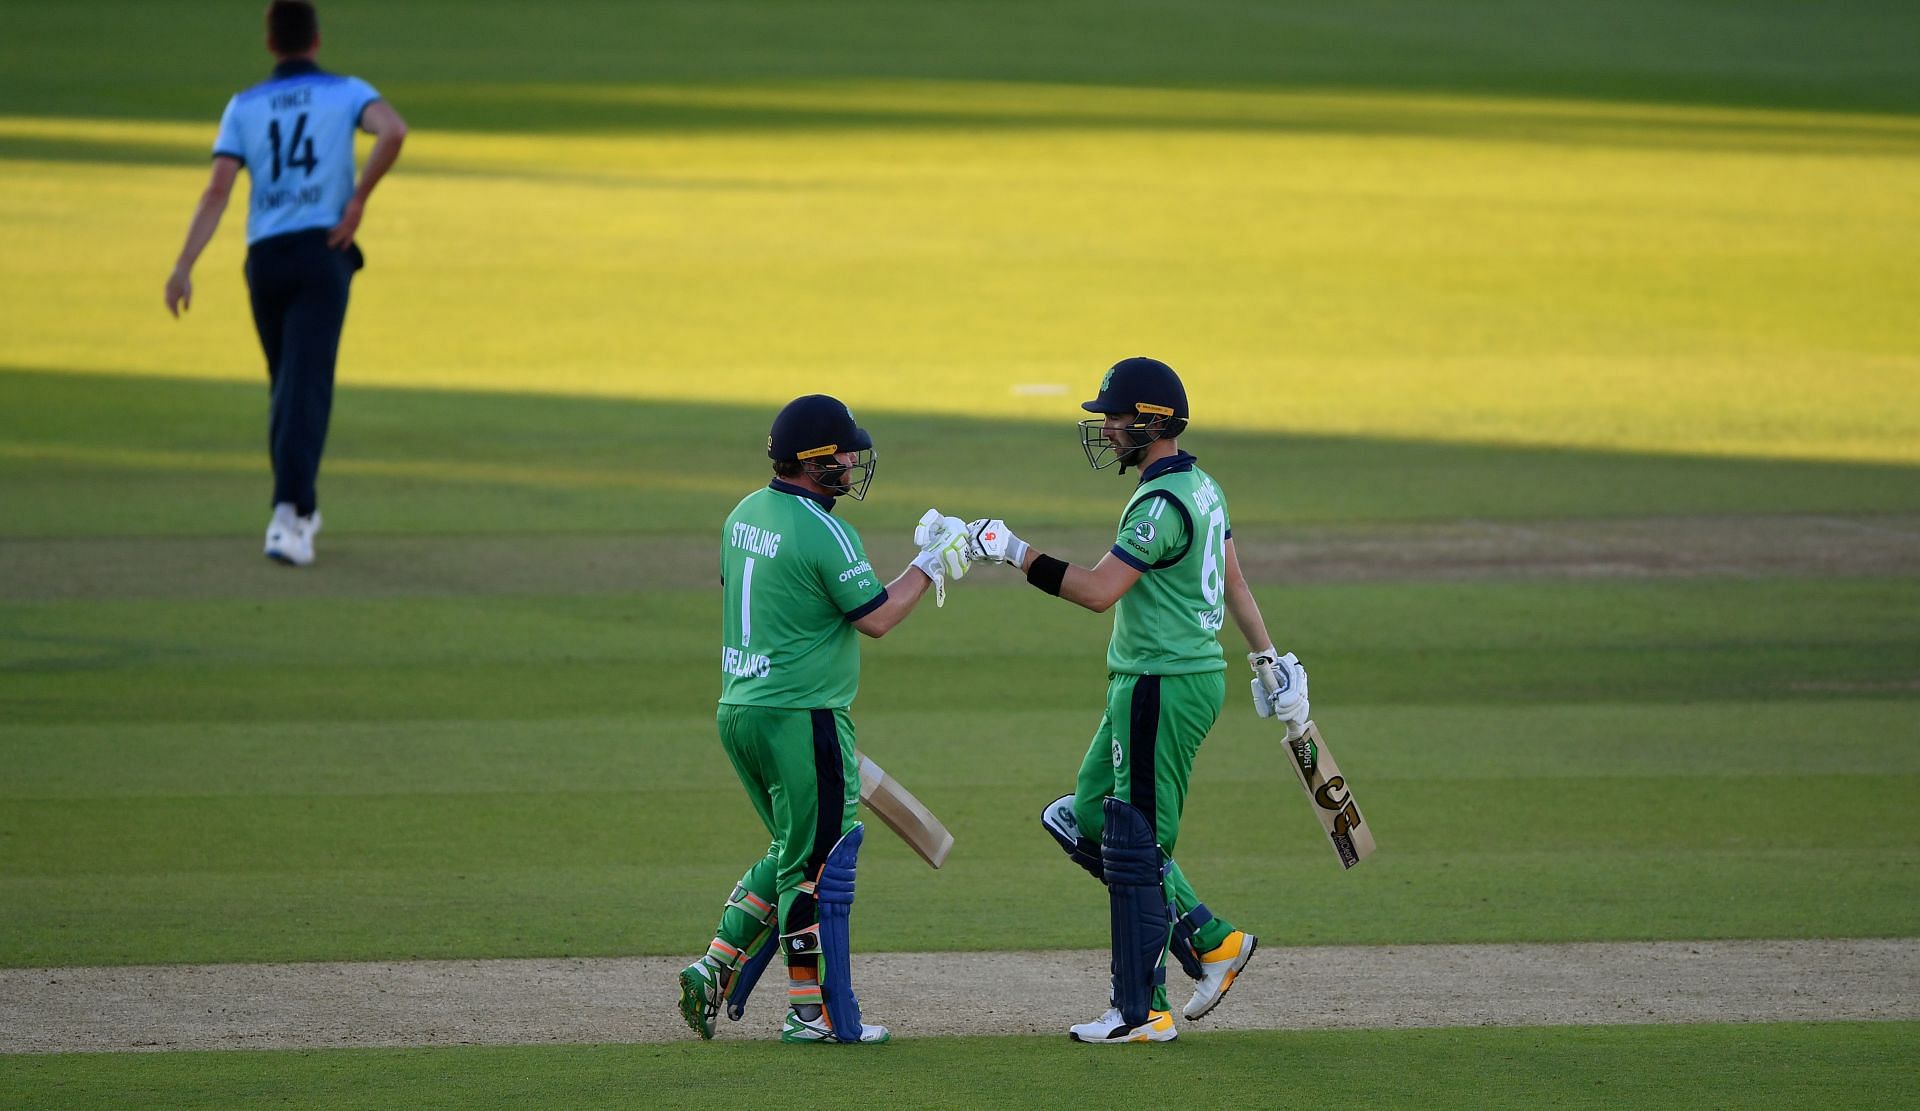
(944, 553)
(1288, 700)
(989, 538)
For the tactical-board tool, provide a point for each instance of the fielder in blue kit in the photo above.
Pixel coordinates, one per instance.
(294, 133)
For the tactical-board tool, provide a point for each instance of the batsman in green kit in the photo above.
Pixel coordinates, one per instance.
(1172, 579)
(796, 589)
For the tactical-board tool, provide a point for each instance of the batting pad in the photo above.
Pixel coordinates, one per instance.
(1137, 895)
(835, 894)
(749, 975)
(1058, 820)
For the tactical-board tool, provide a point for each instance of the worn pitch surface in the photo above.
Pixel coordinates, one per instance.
(530, 1002)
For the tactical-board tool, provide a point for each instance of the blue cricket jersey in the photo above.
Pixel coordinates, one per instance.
(294, 133)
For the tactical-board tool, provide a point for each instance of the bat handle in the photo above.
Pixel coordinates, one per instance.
(1296, 731)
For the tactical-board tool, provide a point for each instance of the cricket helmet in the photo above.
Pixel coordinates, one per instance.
(814, 431)
(1148, 391)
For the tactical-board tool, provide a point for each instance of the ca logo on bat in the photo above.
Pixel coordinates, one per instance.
(1333, 795)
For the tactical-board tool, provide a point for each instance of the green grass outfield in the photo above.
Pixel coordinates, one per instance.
(1767, 1066)
(1421, 265)
(536, 775)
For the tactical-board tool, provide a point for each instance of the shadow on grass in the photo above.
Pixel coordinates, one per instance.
(108, 455)
(653, 110)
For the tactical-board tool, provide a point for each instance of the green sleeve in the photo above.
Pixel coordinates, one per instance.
(845, 572)
(1154, 533)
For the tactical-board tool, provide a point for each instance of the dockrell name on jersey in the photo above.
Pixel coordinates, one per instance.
(796, 578)
(1174, 531)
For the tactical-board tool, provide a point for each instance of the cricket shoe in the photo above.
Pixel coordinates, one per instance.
(1108, 1029)
(820, 1031)
(1219, 969)
(700, 997)
(290, 536)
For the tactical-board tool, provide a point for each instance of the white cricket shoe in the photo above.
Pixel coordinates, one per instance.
(1219, 969)
(1108, 1029)
(290, 536)
(820, 1030)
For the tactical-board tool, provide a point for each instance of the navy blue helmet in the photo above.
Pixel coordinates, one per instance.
(1147, 391)
(814, 431)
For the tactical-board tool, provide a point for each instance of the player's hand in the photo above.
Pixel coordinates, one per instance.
(341, 234)
(179, 291)
(1288, 700)
(944, 553)
(990, 539)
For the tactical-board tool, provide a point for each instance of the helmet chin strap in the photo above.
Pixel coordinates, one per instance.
(832, 478)
(1140, 439)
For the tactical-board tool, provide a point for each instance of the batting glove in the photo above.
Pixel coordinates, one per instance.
(1288, 701)
(944, 552)
(989, 538)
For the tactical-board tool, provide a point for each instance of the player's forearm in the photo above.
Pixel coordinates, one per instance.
(903, 593)
(1082, 586)
(206, 220)
(1246, 614)
(386, 151)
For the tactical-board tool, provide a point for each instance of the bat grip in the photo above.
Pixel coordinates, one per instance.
(1263, 667)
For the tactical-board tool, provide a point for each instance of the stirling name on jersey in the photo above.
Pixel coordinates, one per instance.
(294, 134)
(794, 578)
(1174, 531)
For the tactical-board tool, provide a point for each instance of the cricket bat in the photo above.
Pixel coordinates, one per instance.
(1326, 788)
(906, 815)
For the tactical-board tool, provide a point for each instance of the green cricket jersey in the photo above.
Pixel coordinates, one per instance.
(1174, 531)
(794, 580)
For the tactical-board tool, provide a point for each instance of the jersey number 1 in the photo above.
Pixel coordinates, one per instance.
(298, 156)
(746, 603)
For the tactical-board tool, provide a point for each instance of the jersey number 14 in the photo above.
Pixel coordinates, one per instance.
(299, 147)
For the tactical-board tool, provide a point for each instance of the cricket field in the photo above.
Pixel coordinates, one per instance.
(1559, 362)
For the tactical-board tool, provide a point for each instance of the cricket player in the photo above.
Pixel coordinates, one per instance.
(294, 134)
(797, 585)
(1172, 578)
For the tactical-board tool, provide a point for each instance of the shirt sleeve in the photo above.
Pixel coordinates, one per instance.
(229, 143)
(361, 94)
(1154, 532)
(848, 574)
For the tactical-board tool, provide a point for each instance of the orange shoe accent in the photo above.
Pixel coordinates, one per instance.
(1226, 950)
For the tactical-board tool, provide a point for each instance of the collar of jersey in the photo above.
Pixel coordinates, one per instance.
(1178, 461)
(790, 488)
(295, 67)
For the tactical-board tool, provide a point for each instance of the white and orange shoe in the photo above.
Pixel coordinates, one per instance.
(1108, 1029)
(1219, 969)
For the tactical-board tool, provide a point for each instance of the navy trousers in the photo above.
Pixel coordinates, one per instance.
(299, 290)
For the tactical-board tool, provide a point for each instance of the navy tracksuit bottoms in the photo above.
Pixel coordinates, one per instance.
(299, 289)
